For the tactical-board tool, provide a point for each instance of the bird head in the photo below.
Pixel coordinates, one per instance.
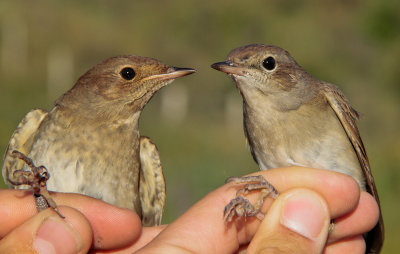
(119, 86)
(266, 70)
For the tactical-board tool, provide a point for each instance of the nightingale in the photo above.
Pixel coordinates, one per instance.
(90, 142)
(291, 118)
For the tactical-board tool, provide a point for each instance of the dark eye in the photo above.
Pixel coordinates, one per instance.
(269, 63)
(128, 73)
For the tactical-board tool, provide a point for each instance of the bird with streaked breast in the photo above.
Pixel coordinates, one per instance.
(291, 118)
(90, 141)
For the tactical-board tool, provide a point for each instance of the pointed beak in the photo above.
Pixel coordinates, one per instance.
(172, 73)
(229, 68)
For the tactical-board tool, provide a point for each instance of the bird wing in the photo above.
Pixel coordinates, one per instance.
(348, 116)
(152, 184)
(22, 141)
(249, 141)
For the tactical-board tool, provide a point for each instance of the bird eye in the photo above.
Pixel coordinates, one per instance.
(127, 73)
(269, 63)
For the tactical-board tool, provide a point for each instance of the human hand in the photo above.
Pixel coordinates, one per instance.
(354, 213)
(105, 228)
(304, 193)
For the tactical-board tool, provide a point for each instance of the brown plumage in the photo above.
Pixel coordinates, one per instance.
(291, 118)
(90, 141)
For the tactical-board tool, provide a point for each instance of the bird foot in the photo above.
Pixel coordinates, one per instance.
(36, 178)
(242, 207)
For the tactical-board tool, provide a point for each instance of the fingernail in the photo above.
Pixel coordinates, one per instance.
(55, 236)
(304, 215)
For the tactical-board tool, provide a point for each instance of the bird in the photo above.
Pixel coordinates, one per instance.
(291, 118)
(89, 142)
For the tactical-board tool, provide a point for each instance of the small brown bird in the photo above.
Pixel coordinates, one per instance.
(291, 118)
(90, 142)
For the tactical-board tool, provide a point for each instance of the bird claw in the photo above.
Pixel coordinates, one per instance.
(242, 207)
(36, 178)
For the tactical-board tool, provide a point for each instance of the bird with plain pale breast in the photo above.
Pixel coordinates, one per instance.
(90, 142)
(291, 118)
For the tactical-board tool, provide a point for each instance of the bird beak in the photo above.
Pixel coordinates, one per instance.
(172, 73)
(229, 68)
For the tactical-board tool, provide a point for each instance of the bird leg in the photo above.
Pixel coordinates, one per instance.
(240, 206)
(36, 178)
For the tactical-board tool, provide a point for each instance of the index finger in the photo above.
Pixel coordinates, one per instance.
(112, 227)
(202, 228)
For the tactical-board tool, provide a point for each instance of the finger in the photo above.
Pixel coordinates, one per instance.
(347, 231)
(354, 245)
(297, 222)
(112, 227)
(47, 232)
(361, 220)
(208, 211)
(202, 228)
(148, 234)
(341, 191)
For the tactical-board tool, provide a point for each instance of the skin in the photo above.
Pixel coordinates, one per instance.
(109, 229)
(291, 118)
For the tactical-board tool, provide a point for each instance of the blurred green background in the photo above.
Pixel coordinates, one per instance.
(197, 121)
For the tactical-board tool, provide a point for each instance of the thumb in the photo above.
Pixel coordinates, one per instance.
(47, 232)
(297, 222)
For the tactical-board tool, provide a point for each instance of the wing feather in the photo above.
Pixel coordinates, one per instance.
(152, 183)
(21, 140)
(348, 116)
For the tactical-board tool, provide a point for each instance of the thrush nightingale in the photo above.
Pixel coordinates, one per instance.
(291, 118)
(90, 142)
